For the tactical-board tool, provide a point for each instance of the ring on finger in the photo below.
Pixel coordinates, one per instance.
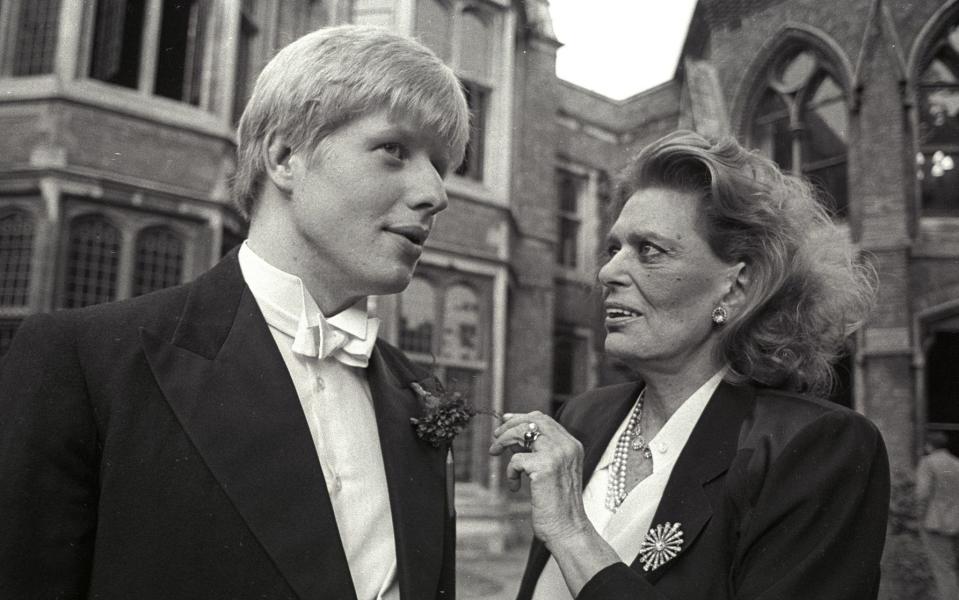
(531, 435)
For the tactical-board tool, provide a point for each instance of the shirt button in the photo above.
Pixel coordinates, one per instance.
(662, 447)
(320, 384)
(337, 484)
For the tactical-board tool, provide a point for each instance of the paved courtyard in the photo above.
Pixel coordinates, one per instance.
(488, 577)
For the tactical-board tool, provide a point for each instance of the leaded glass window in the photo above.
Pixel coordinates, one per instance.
(34, 32)
(93, 262)
(16, 250)
(159, 260)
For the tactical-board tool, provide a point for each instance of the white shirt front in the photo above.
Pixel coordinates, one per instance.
(338, 407)
(625, 528)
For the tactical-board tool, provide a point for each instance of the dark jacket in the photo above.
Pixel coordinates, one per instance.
(779, 497)
(156, 448)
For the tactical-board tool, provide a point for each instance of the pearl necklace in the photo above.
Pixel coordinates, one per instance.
(631, 439)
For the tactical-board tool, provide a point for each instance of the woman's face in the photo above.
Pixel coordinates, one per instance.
(662, 281)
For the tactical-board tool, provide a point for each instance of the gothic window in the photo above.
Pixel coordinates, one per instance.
(939, 125)
(31, 41)
(171, 66)
(801, 122)
(159, 260)
(16, 251)
(942, 379)
(93, 260)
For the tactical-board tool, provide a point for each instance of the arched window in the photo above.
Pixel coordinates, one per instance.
(418, 317)
(802, 122)
(16, 249)
(159, 260)
(93, 258)
(939, 124)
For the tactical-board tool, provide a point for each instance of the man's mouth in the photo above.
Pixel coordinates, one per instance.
(416, 234)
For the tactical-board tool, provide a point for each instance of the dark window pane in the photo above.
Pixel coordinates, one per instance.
(8, 327)
(567, 248)
(118, 35)
(832, 184)
(92, 261)
(939, 180)
(771, 131)
(36, 37)
(179, 72)
(159, 260)
(942, 383)
(464, 381)
(477, 100)
(16, 249)
(417, 317)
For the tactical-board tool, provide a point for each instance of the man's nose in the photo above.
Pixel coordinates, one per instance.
(427, 189)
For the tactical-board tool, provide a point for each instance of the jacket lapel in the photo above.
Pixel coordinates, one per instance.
(415, 475)
(231, 392)
(707, 455)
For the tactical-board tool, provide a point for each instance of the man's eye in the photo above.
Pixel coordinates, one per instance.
(611, 251)
(394, 149)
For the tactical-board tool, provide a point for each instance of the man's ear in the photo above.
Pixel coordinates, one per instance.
(280, 162)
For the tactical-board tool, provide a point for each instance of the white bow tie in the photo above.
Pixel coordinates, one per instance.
(327, 340)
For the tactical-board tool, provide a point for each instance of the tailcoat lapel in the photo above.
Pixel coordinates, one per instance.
(415, 475)
(228, 386)
(707, 455)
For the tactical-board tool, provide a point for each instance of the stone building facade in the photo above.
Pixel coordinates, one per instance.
(118, 142)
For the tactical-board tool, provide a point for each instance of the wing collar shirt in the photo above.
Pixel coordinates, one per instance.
(625, 528)
(326, 359)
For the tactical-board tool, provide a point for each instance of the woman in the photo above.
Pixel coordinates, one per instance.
(719, 473)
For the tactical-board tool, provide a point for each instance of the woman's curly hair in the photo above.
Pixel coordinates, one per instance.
(807, 288)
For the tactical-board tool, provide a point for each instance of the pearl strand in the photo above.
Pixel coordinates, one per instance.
(632, 437)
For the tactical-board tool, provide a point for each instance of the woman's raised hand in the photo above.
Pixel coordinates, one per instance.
(553, 461)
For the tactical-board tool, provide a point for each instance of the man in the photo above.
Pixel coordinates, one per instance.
(240, 436)
(937, 491)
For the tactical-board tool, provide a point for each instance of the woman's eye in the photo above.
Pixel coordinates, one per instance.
(648, 249)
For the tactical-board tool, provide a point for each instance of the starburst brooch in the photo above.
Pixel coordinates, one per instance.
(661, 544)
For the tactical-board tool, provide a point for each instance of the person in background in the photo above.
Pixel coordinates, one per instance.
(720, 472)
(937, 493)
(246, 435)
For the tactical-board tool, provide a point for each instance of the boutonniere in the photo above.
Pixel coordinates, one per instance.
(444, 414)
(661, 544)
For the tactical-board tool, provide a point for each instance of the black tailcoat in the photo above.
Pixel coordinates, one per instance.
(156, 448)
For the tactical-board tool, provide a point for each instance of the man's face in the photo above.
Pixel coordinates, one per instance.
(363, 204)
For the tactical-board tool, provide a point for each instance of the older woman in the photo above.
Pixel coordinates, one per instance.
(719, 473)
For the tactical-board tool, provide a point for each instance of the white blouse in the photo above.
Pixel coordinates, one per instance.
(625, 528)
